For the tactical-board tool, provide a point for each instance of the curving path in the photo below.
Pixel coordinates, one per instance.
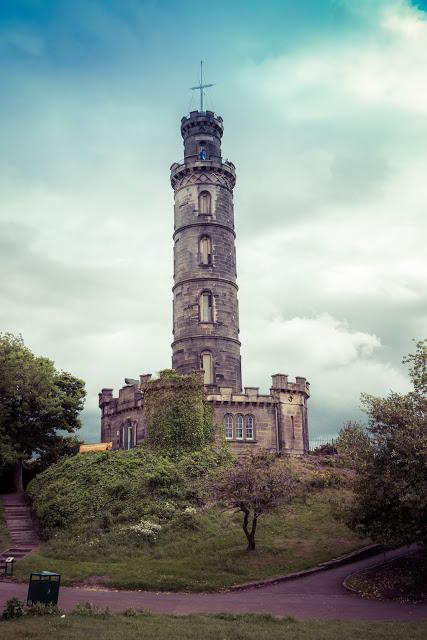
(319, 595)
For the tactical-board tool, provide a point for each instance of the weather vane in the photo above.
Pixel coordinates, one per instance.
(201, 86)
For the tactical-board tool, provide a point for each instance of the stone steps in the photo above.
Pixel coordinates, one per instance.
(21, 528)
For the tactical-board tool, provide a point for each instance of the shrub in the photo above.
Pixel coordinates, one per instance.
(354, 444)
(89, 609)
(163, 474)
(119, 490)
(14, 609)
(320, 480)
(106, 521)
(146, 530)
(41, 609)
(327, 449)
(186, 519)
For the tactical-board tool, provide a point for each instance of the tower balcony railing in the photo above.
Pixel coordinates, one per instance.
(181, 165)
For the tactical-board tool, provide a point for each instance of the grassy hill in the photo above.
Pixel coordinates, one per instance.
(139, 520)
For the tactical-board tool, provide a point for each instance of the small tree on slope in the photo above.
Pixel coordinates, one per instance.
(255, 485)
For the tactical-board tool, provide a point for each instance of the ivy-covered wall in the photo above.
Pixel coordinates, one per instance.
(178, 415)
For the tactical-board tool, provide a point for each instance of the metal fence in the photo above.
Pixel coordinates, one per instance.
(314, 444)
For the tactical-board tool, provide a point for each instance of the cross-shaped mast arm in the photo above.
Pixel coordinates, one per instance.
(201, 86)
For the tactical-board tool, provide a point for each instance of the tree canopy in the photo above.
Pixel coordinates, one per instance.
(256, 483)
(353, 443)
(390, 503)
(37, 402)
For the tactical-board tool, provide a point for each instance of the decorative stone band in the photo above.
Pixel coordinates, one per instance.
(204, 225)
(187, 175)
(206, 280)
(204, 336)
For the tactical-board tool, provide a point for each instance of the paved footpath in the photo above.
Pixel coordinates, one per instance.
(319, 595)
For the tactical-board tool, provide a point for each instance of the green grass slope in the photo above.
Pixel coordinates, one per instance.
(230, 627)
(139, 520)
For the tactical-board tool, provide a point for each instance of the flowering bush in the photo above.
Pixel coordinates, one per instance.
(146, 530)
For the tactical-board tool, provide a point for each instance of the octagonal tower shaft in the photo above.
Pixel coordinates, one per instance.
(205, 307)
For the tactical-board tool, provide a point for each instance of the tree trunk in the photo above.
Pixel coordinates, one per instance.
(17, 475)
(250, 535)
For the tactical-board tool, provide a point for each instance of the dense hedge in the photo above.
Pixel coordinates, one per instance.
(94, 490)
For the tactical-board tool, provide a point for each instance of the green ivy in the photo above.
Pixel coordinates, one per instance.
(179, 418)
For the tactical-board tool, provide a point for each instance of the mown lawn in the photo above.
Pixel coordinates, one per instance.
(4, 533)
(215, 627)
(210, 557)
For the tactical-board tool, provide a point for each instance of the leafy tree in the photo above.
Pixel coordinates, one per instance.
(390, 503)
(179, 418)
(256, 483)
(36, 402)
(353, 443)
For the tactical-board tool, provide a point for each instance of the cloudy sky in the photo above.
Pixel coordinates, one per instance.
(324, 104)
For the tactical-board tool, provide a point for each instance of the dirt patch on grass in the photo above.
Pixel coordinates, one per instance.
(403, 580)
(96, 583)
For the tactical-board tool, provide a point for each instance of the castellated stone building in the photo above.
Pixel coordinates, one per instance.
(206, 312)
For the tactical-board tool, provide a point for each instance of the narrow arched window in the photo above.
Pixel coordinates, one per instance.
(206, 307)
(249, 428)
(205, 203)
(205, 250)
(206, 363)
(239, 427)
(228, 426)
(131, 436)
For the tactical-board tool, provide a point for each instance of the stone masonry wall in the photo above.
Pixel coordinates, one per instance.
(279, 419)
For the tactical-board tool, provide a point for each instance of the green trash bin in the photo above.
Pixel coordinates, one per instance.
(43, 587)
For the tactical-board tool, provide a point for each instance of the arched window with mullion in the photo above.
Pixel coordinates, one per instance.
(239, 427)
(249, 428)
(228, 426)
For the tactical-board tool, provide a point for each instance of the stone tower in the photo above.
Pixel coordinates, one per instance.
(205, 307)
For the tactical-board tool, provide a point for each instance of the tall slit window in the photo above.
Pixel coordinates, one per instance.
(205, 250)
(249, 428)
(239, 427)
(207, 366)
(130, 442)
(204, 203)
(228, 426)
(206, 307)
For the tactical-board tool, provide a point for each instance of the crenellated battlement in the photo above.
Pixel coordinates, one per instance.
(298, 391)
